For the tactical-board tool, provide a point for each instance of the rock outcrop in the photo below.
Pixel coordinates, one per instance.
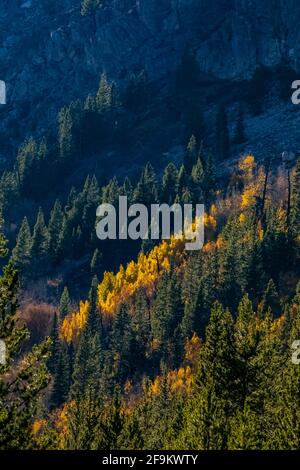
(50, 54)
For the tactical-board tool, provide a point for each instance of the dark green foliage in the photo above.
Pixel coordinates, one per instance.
(20, 389)
(296, 201)
(54, 229)
(21, 252)
(64, 304)
(96, 263)
(39, 249)
(146, 191)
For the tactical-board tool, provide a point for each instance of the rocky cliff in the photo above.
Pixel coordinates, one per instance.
(50, 53)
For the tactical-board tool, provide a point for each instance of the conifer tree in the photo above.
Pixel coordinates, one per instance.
(206, 415)
(66, 136)
(121, 345)
(97, 263)
(61, 379)
(20, 388)
(64, 304)
(54, 230)
(146, 191)
(271, 300)
(21, 252)
(191, 154)
(169, 184)
(295, 219)
(54, 352)
(182, 181)
(39, 250)
(104, 96)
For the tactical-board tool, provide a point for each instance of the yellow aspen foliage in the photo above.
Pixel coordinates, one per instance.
(38, 427)
(62, 423)
(242, 218)
(260, 231)
(74, 323)
(179, 382)
(247, 166)
(118, 288)
(115, 289)
(249, 197)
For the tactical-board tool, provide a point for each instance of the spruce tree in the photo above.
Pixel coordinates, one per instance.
(191, 154)
(55, 346)
(169, 184)
(54, 229)
(64, 304)
(295, 217)
(39, 250)
(21, 386)
(206, 415)
(270, 300)
(104, 96)
(21, 252)
(146, 191)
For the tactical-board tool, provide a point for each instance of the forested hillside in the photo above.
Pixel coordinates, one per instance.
(141, 344)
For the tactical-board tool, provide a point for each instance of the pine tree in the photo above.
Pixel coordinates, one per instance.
(64, 304)
(198, 178)
(55, 346)
(54, 229)
(61, 379)
(20, 387)
(295, 216)
(169, 184)
(21, 252)
(191, 154)
(39, 249)
(97, 263)
(270, 300)
(121, 345)
(111, 427)
(66, 137)
(104, 97)
(222, 134)
(146, 191)
(206, 415)
(85, 374)
(30, 159)
(182, 181)
(166, 315)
